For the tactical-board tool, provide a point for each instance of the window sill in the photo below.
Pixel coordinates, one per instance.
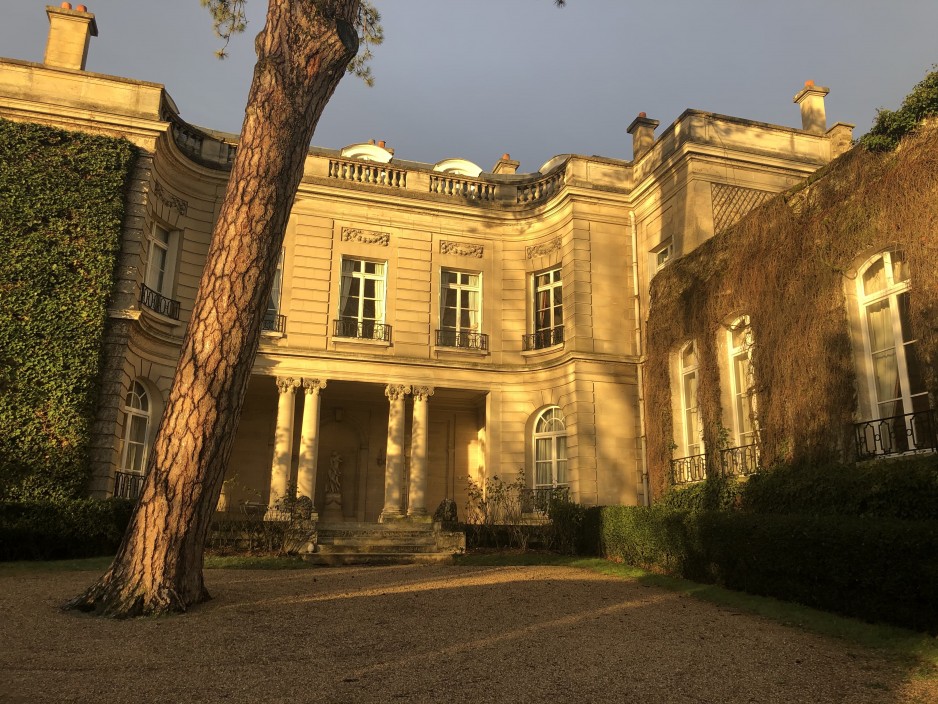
(272, 334)
(460, 351)
(359, 342)
(545, 351)
(159, 317)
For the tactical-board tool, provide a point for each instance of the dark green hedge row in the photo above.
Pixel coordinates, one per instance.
(902, 488)
(881, 570)
(58, 530)
(61, 208)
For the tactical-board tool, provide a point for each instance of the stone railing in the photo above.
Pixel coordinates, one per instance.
(541, 189)
(367, 172)
(469, 188)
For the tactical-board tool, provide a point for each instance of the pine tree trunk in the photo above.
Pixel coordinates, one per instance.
(302, 53)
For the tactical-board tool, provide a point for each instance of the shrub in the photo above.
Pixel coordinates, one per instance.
(890, 126)
(56, 530)
(879, 570)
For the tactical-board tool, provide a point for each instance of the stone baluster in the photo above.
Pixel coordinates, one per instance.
(419, 435)
(309, 440)
(394, 463)
(283, 440)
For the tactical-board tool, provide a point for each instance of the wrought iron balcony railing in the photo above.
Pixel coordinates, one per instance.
(362, 329)
(910, 432)
(127, 485)
(542, 338)
(158, 302)
(463, 340)
(274, 323)
(686, 470)
(741, 461)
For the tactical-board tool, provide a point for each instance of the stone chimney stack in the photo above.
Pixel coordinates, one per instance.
(642, 130)
(69, 33)
(811, 101)
(506, 165)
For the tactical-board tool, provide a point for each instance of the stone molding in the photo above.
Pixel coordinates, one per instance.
(463, 249)
(422, 393)
(169, 200)
(354, 234)
(539, 250)
(287, 384)
(313, 386)
(396, 391)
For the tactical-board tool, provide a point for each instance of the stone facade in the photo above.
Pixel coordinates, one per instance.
(428, 325)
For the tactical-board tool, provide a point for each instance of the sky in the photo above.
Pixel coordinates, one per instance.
(477, 79)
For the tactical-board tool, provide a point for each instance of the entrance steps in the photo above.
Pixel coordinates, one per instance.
(394, 543)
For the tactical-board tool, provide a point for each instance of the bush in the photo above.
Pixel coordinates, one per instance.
(892, 125)
(902, 488)
(880, 570)
(57, 530)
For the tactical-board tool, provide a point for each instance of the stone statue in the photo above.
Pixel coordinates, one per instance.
(334, 483)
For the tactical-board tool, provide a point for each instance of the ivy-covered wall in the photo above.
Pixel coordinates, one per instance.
(61, 208)
(787, 265)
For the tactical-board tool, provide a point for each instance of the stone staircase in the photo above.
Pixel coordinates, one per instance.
(384, 543)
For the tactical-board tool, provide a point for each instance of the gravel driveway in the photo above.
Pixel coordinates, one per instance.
(425, 634)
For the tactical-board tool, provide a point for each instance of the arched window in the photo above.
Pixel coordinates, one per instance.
(896, 387)
(742, 381)
(692, 435)
(550, 449)
(136, 429)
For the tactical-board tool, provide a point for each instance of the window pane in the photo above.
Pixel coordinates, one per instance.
(880, 326)
(900, 267)
(914, 366)
(903, 309)
(689, 356)
(874, 278)
(886, 376)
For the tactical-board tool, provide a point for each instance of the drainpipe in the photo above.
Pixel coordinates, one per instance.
(640, 367)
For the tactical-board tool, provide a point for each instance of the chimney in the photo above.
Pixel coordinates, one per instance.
(811, 101)
(69, 33)
(506, 165)
(642, 130)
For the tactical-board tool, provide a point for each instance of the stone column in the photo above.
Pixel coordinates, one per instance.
(309, 441)
(283, 440)
(394, 463)
(419, 434)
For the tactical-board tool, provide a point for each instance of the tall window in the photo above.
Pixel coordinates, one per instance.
(895, 382)
(548, 309)
(160, 261)
(690, 410)
(742, 381)
(550, 450)
(361, 298)
(460, 308)
(136, 429)
(273, 321)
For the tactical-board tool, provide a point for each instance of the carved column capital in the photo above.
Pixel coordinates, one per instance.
(396, 391)
(287, 383)
(313, 386)
(422, 393)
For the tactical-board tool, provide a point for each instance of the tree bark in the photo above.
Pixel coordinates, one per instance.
(302, 53)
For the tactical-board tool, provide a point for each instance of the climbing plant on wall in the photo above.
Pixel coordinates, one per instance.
(61, 208)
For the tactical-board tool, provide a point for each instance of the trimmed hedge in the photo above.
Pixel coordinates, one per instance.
(903, 488)
(61, 208)
(57, 530)
(882, 570)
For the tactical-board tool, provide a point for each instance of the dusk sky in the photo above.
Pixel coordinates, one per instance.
(476, 79)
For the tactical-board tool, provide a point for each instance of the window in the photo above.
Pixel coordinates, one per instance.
(361, 299)
(550, 450)
(273, 321)
(137, 410)
(662, 254)
(548, 310)
(742, 381)
(895, 382)
(692, 438)
(460, 310)
(157, 291)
